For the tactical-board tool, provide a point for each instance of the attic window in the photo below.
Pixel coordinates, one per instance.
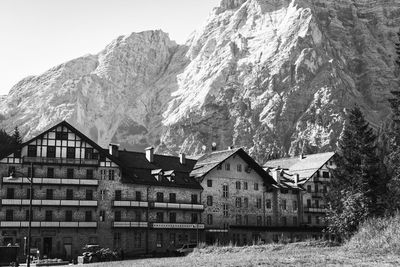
(61, 136)
(219, 167)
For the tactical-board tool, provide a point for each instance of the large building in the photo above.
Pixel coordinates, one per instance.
(83, 194)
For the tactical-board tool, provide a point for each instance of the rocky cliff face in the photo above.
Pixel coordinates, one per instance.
(273, 76)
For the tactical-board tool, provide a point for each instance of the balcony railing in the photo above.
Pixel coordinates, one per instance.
(318, 194)
(321, 179)
(49, 202)
(130, 224)
(315, 210)
(36, 224)
(168, 205)
(177, 225)
(128, 203)
(45, 160)
(52, 181)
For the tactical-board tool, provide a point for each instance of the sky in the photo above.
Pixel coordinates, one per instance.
(36, 35)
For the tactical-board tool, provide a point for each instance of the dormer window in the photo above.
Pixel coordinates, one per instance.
(170, 175)
(158, 174)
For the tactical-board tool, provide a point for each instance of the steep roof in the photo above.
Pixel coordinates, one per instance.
(305, 166)
(137, 169)
(208, 162)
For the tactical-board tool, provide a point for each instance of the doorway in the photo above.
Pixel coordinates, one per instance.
(47, 245)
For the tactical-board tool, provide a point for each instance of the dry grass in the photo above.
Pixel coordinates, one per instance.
(295, 254)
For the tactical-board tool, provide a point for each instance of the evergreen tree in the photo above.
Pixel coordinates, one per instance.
(357, 180)
(17, 136)
(6, 142)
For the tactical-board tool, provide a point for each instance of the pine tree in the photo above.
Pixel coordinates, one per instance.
(357, 187)
(17, 136)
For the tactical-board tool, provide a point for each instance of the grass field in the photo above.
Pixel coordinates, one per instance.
(295, 254)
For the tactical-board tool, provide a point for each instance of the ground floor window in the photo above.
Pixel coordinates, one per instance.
(137, 239)
(117, 240)
(159, 240)
(172, 239)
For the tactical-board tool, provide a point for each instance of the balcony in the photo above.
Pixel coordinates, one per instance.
(315, 210)
(318, 194)
(128, 203)
(49, 202)
(37, 224)
(130, 224)
(177, 225)
(321, 180)
(60, 161)
(168, 205)
(52, 181)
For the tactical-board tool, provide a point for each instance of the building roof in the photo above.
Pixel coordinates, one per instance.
(305, 166)
(209, 161)
(137, 169)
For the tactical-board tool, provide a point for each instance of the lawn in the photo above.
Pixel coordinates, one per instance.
(295, 254)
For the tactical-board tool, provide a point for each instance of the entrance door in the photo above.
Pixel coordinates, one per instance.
(47, 245)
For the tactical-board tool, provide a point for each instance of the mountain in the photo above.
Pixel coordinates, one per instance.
(274, 77)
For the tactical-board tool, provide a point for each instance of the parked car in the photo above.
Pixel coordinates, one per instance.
(186, 249)
(95, 253)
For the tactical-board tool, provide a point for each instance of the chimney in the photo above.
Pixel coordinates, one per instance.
(296, 179)
(214, 146)
(113, 149)
(150, 154)
(182, 158)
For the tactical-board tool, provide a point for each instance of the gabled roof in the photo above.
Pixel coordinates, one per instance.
(74, 130)
(305, 166)
(208, 162)
(137, 169)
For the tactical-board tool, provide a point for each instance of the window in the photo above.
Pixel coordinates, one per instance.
(50, 172)
(89, 174)
(70, 194)
(70, 173)
(11, 170)
(88, 153)
(268, 204)
(51, 151)
(138, 216)
(117, 216)
(219, 167)
(194, 218)
(10, 193)
(160, 197)
(239, 167)
(172, 217)
(225, 190)
(194, 199)
(103, 174)
(138, 196)
(32, 151)
(49, 216)
(209, 200)
(209, 183)
(61, 135)
(317, 221)
(227, 166)
(284, 191)
(317, 203)
(316, 188)
(238, 202)
(258, 203)
(325, 174)
(209, 219)
(159, 217)
(294, 220)
(111, 174)
(117, 240)
(317, 174)
(309, 188)
(102, 194)
(294, 205)
(239, 219)
(118, 194)
(325, 189)
(68, 215)
(238, 185)
(259, 220)
(269, 221)
(309, 221)
(172, 197)
(225, 210)
(137, 239)
(89, 194)
(27, 215)
(70, 152)
(283, 203)
(49, 193)
(245, 186)
(246, 219)
(245, 202)
(88, 216)
(159, 240)
(255, 186)
(102, 215)
(284, 221)
(9, 215)
(308, 203)
(28, 193)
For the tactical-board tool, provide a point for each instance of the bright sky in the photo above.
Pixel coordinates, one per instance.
(36, 35)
